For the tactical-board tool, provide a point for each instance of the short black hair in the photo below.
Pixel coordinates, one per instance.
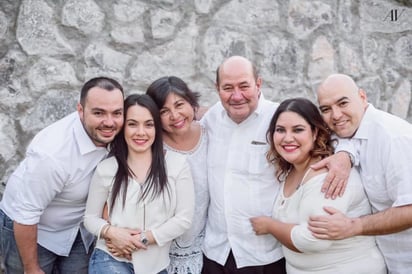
(105, 83)
(162, 87)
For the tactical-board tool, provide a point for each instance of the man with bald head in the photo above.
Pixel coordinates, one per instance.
(241, 181)
(383, 145)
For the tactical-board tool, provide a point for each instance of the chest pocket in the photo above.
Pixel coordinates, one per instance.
(258, 165)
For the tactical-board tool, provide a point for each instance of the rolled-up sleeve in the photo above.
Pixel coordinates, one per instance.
(42, 178)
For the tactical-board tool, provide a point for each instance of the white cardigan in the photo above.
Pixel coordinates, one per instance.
(167, 216)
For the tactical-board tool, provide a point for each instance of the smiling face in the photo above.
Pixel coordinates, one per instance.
(342, 104)
(238, 88)
(139, 129)
(176, 114)
(102, 114)
(293, 138)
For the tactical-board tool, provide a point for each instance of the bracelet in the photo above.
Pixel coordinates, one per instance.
(105, 229)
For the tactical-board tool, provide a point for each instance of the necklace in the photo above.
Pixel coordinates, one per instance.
(284, 198)
(303, 178)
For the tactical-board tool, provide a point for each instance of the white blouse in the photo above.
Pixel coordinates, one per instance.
(167, 216)
(185, 252)
(353, 255)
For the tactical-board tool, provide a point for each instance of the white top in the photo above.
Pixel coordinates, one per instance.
(385, 150)
(166, 216)
(185, 252)
(242, 185)
(353, 255)
(50, 186)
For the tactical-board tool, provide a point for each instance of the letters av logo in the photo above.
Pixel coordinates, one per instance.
(393, 15)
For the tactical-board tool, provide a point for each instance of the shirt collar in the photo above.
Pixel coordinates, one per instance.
(364, 126)
(83, 140)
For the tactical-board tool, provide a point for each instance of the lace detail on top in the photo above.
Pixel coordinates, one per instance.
(201, 140)
(185, 252)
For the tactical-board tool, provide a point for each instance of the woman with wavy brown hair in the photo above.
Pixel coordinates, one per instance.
(299, 138)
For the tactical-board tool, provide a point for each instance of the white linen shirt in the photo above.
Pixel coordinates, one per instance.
(242, 185)
(385, 152)
(50, 186)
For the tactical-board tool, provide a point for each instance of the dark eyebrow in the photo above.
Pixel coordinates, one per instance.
(338, 101)
(178, 101)
(133, 120)
(341, 99)
(98, 109)
(103, 110)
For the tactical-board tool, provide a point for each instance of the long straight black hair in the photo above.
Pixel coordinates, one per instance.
(156, 181)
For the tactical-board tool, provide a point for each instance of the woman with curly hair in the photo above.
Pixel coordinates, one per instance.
(298, 138)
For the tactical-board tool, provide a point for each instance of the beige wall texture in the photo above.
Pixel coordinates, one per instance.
(49, 48)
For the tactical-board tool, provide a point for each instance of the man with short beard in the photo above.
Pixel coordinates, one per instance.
(44, 201)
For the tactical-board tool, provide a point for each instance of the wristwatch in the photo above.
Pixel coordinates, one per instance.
(143, 238)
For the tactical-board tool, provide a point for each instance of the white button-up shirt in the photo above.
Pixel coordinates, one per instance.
(50, 186)
(385, 152)
(242, 185)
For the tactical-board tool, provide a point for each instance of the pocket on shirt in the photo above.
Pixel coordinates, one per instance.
(258, 164)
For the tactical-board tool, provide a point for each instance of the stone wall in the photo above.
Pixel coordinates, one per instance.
(48, 48)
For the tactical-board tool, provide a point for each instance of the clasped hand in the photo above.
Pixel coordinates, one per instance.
(122, 242)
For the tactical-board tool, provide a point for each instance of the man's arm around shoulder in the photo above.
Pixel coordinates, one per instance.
(338, 226)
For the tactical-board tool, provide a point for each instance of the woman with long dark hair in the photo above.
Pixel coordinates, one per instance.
(149, 196)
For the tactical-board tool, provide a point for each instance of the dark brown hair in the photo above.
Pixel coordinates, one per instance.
(323, 146)
(162, 87)
(105, 83)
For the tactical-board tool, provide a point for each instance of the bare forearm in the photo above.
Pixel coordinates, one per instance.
(282, 232)
(26, 240)
(392, 220)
